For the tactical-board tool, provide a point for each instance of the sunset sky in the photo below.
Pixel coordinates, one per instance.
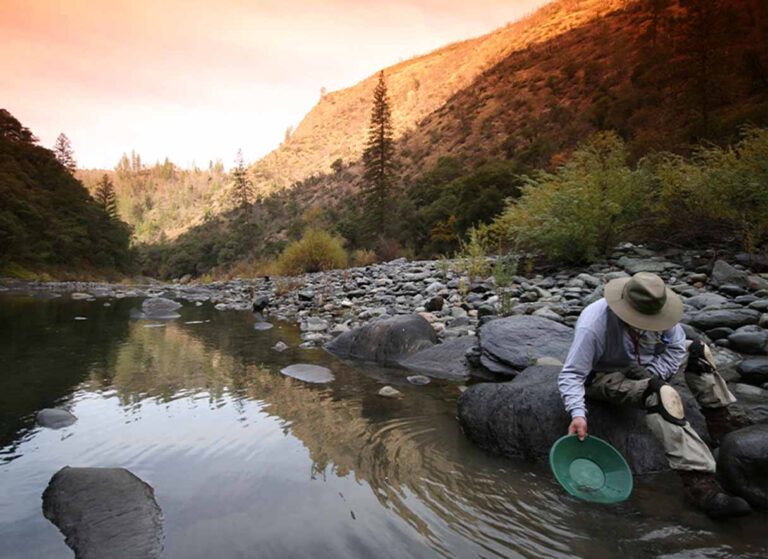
(196, 80)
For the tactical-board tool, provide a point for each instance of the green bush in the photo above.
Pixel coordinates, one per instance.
(719, 192)
(316, 251)
(580, 211)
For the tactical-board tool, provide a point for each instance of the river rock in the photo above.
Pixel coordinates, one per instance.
(754, 370)
(708, 299)
(387, 341)
(522, 418)
(509, 345)
(724, 274)
(444, 361)
(389, 392)
(314, 374)
(743, 464)
(261, 326)
(55, 418)
(418, 380)
(751, 342)
(105, 513)
(260, 303)
(730, 318)
(160, 308)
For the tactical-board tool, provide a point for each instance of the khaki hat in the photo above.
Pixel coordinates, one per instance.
(643, 301)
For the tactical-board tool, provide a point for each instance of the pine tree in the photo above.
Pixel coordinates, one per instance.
(64, 154)
(242, 188)
(379, 160)
(105, 196)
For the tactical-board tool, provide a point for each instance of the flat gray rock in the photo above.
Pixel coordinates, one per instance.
(724, 274)
(308, 373)
(105, 513)
(509, 345)
(54, 418)
(443, 361)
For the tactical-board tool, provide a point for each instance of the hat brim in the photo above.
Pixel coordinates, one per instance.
(669, 315)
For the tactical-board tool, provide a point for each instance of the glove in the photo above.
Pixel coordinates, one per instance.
(635, 371)
(697, 360)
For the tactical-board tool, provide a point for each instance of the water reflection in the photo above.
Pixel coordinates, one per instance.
(246, 461)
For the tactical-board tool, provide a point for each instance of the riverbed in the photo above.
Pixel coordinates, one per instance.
(247, 462)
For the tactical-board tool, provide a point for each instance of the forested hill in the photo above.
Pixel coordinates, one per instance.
(48, 221)
(665, 74)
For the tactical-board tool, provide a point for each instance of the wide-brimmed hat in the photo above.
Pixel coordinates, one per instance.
(643, 301)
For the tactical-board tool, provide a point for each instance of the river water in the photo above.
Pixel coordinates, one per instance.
(248, 463)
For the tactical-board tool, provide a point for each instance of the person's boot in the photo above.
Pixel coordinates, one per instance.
(704, 492)
(721, 421)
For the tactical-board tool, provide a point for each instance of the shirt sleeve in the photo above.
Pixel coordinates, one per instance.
(586, 349)
(667, 364)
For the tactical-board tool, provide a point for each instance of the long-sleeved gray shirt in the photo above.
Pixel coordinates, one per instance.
(602, 342)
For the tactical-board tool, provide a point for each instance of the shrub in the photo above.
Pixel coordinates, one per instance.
(316, 251)
(363, 257)
(718, 192)
(580, 211)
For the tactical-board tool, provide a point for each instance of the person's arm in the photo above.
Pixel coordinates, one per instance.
(667, 364)
(585, 349)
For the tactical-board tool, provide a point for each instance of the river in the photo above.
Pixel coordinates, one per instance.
(246, 462)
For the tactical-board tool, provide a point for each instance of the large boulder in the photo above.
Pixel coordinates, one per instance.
(522, 418)
(509, 345)
(387, 341)
(730, 318)
(105, 513)
(444, 361)
(743, 464)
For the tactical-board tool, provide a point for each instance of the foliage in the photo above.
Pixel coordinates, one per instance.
(449, 201)
(716, 193)
(62, 149)
(47, 218)
(379, 160)
(316, 251)
(581, 210)
(105, 196)
(472, 258)
(242, 188)
(363, 257)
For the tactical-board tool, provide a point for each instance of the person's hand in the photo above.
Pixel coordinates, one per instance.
(578, 427)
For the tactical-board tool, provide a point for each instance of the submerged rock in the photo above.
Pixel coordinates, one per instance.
(418, 380)
(105, 513)
(262, 326)
(511, 344)
(743, 464)
(308, 373)
(55, 418)
(523, 417)
(280, 346)
(389, 392)
(160, 308)
(386, 341)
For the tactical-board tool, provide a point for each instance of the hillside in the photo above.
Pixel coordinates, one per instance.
(335, 128)
(47, 219)
(665, 74)
(161, 201)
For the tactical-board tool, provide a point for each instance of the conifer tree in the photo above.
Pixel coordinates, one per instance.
(379, 159)
(64, 153)
(105, 196)
(242, 188)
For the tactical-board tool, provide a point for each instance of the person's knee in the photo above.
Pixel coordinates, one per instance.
(661, 398)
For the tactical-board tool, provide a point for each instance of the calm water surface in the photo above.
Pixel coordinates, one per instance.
(248, 463)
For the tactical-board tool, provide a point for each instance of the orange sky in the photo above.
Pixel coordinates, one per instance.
(195, 80)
